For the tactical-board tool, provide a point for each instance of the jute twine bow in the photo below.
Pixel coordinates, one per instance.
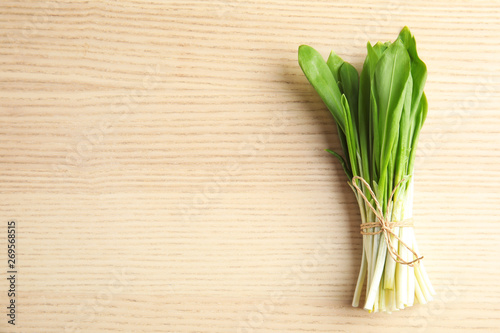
(386, 226)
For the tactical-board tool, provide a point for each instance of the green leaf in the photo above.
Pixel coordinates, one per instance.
(350, 83)
(421, 114)
(379, 49)
(347, 170)
(321, 78)
(418, 67)
(390, 81)
(404, 142)
(343, 144)
(334, 62)
(364, 119)
(374, 54)
(351, 135)
(379, 112)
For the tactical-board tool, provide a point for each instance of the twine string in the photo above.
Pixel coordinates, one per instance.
(386, 226)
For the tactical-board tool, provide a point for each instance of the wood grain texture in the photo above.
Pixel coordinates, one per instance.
(165, 163)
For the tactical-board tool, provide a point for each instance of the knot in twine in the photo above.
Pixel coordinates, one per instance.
(386, 226)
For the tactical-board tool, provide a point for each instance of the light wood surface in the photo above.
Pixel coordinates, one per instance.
(164, 162)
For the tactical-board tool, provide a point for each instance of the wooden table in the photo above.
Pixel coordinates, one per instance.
(164, 164)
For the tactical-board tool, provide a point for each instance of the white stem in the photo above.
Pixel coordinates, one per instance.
(421, 281)
(381, 297)
(377, 275)
(391, 286)
(421, 266)
(419, 295)
(411, 272)
(401, 284)
(361, 281)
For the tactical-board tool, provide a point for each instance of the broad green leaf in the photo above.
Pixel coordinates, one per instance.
(379, 113)
(390, 80)
(404, 142)
(319, 75)
(418, 67)
(334, 62)
(379, 48)
(350, 83)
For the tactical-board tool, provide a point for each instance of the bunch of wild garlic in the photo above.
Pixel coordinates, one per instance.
(379, 115)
